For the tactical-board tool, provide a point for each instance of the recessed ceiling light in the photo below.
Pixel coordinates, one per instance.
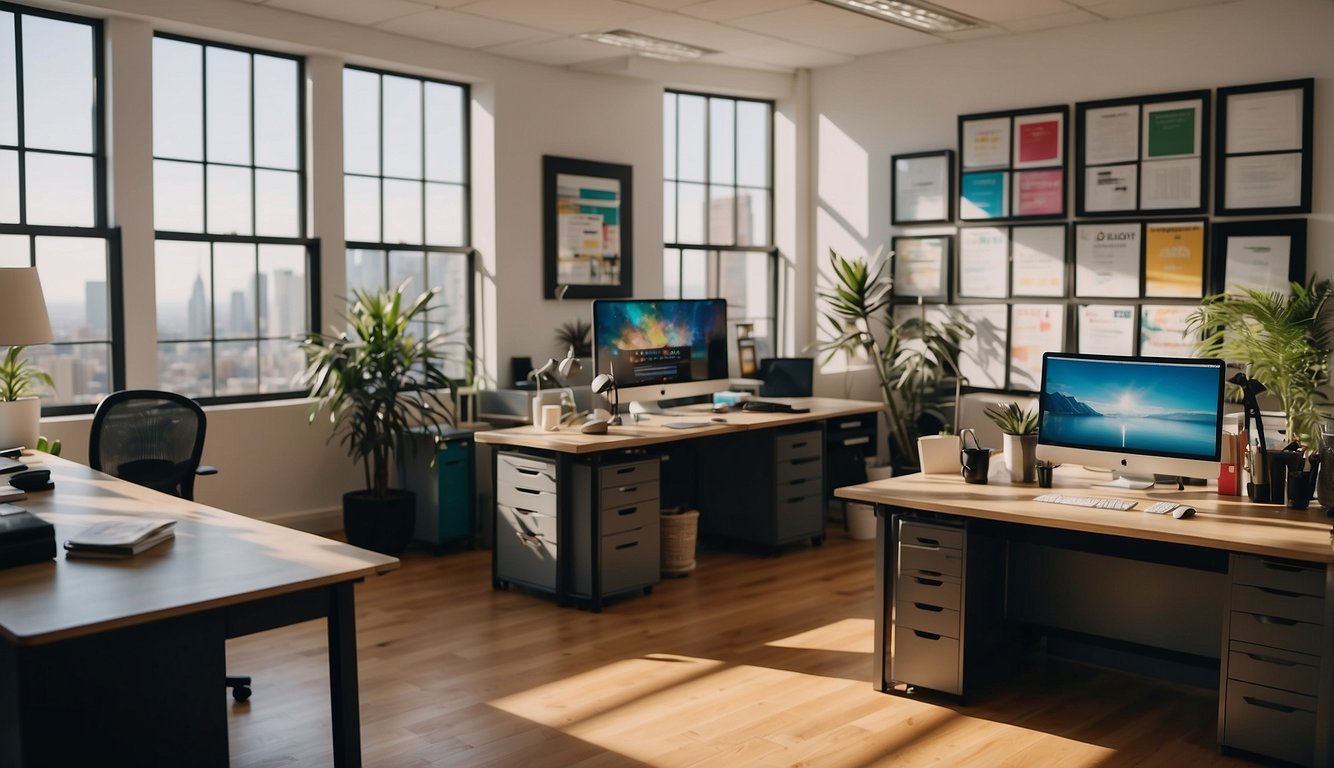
(653, 47)
(921, 16)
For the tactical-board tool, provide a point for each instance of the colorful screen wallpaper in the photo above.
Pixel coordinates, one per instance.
(1132, 405)
(660, 341)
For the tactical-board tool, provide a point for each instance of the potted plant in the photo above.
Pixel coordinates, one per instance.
(910, 358)
(577, 335)
(20, 408)
(379, 382)
(1020, 439)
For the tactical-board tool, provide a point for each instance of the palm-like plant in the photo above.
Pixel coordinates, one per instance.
(1012, 419)
(378, 380)
(910, 358)
(1284, 341)
(18, 376)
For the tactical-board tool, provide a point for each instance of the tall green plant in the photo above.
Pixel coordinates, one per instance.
(910, 358)
(1284, 341)
(378, 380)
(18, 376)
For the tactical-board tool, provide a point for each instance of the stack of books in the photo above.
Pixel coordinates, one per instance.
(119, 538)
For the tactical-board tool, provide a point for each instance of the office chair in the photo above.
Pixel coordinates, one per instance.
(786, 376)
(154, 439)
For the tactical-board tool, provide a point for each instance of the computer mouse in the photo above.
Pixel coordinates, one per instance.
(717, 420)
(594, 427)
(1182, 512)
(722, 408)
(32, 480)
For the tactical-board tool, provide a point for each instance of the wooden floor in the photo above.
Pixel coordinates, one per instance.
(748, 661)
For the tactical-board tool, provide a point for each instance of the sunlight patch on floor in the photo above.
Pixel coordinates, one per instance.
(846, 636)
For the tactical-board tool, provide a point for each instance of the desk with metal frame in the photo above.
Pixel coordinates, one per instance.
(106, 661)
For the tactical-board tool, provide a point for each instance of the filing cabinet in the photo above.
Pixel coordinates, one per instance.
(798, 486)
(928, 605)
(623, 498)
(849, 441)
(444, 486)
(527, 535)
(1274, 648)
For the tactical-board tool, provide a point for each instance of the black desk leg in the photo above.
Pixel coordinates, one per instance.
(343, 677)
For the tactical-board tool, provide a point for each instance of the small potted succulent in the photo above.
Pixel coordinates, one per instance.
(1020, 428)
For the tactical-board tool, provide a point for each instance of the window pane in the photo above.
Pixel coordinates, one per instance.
(753, 217)
(15, 251)
(277, 204)
(361, 198)
(9, 104)
(186, 368)
(238, 368)
(178, 196)
(444, 214)
(669, 136)
(752, 118)
(234, 291)
(671, 273)
(281, 361)
(229, 204)
(407, 268)
(669, 211)
(60, 190)
(178, 99)
(365, 270)
(694, 275)
(448, 274)
(184, 290)
(282, 286)
(402, 125)
(9, 186)
(444, 132)
(402, 211)
(744, 281)
(722, 212)
(82, 372)
(361, 121)
(74, 281)
(722, 140)
(228, 112)
(277, 141)
(690, 213)
(58, 94)
(690, 138)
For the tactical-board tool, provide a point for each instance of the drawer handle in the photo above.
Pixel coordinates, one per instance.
(1254, 702)
(1281, 567)
(926, 635)
(929, 582)
(851, 441)
(806, 460)
(625, 470)
(1279, 592)
(529, 491)
(627, 489)
(532, 542)
(1276, 620)
(930, 573)
(532, 472)
(795, 446)
(795, 499)
(629, 545)
(934, 543)
(627, 511)
(1271, 660)
(925, 607)
(849, 424)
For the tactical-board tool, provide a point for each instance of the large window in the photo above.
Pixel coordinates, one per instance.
(405, 142)
(718, 206)
(234, 267)
(53, 211)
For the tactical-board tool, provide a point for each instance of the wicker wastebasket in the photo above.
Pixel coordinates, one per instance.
(678, 541)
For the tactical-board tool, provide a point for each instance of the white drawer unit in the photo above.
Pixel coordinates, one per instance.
(526, 523)
(1274, 651)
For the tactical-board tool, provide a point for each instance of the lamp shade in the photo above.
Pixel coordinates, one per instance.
(23, 318)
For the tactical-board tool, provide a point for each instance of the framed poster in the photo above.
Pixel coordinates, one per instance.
(983, 356)
(921, 267)
(1037, 260)
(984, 262)
(1141, 154)
(1260, 255)
(586, 227)
(1106, 329)
(1107, 259)
(1174, 259)
(1034, 329)
(1162, 331)
(923, 187)
(1013, 164)
(1263, 161)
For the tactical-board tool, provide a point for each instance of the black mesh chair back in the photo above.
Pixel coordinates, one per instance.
(150, 438)
(787, 376)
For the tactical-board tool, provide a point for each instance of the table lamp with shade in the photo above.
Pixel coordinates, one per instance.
(24, 323)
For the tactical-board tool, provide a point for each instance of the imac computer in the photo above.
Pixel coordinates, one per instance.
(1135, 416)
(661, 349)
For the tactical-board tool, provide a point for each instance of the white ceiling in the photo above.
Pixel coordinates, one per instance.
(774, 35)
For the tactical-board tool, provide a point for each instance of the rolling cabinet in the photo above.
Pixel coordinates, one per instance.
(1274, 646)
(445, 488)
(799, 486)
(763, 487)
(615, 548)
(526, 531)
(849, 440)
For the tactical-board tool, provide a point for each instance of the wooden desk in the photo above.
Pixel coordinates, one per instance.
(729, 468)
(1237, 567)
(105, 660)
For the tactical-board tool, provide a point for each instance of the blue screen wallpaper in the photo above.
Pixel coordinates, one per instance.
(661, 341)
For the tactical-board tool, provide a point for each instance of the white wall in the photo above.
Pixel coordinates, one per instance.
(880, 106)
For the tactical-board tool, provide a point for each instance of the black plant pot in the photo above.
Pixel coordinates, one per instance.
(380, 524)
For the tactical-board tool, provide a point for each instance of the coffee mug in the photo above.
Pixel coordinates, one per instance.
(976, 461)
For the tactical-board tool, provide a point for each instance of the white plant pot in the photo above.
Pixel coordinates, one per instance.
(939, 454)
(20, 422)
(1021, 457)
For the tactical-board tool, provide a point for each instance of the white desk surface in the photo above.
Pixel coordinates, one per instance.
(216, 559)
(1232, 523)
(652, 430)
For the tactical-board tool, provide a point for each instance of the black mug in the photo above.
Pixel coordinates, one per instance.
(976, 461)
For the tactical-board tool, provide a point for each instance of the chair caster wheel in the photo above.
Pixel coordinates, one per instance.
(241, 693)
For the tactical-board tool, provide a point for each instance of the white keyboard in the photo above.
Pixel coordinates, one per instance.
(1086, 501)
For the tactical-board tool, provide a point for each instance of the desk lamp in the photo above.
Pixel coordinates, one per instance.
(604, 383)
(26, 323)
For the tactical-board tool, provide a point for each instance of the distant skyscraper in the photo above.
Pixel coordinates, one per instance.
(240, 319)
(95, 308)
(288, 313)
(197, 315)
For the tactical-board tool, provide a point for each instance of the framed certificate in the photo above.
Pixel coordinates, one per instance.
(1013, 164)
(1263, 160)
(923, 187)
(1259, 255)
(921, 267)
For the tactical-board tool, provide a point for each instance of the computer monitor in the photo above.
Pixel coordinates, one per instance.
(661, 349)
(1136, 416)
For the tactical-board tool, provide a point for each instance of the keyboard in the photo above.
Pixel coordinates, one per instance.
(768, 406)
(1086, 501)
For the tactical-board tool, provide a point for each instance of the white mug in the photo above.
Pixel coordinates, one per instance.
(550, 418)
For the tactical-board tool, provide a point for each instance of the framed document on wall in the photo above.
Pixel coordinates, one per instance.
(1259, 255)
(923, 187)
(1263, 161)
(586, 227)
(1012, 165)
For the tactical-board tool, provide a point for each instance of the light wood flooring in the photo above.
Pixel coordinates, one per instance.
(750, 660)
